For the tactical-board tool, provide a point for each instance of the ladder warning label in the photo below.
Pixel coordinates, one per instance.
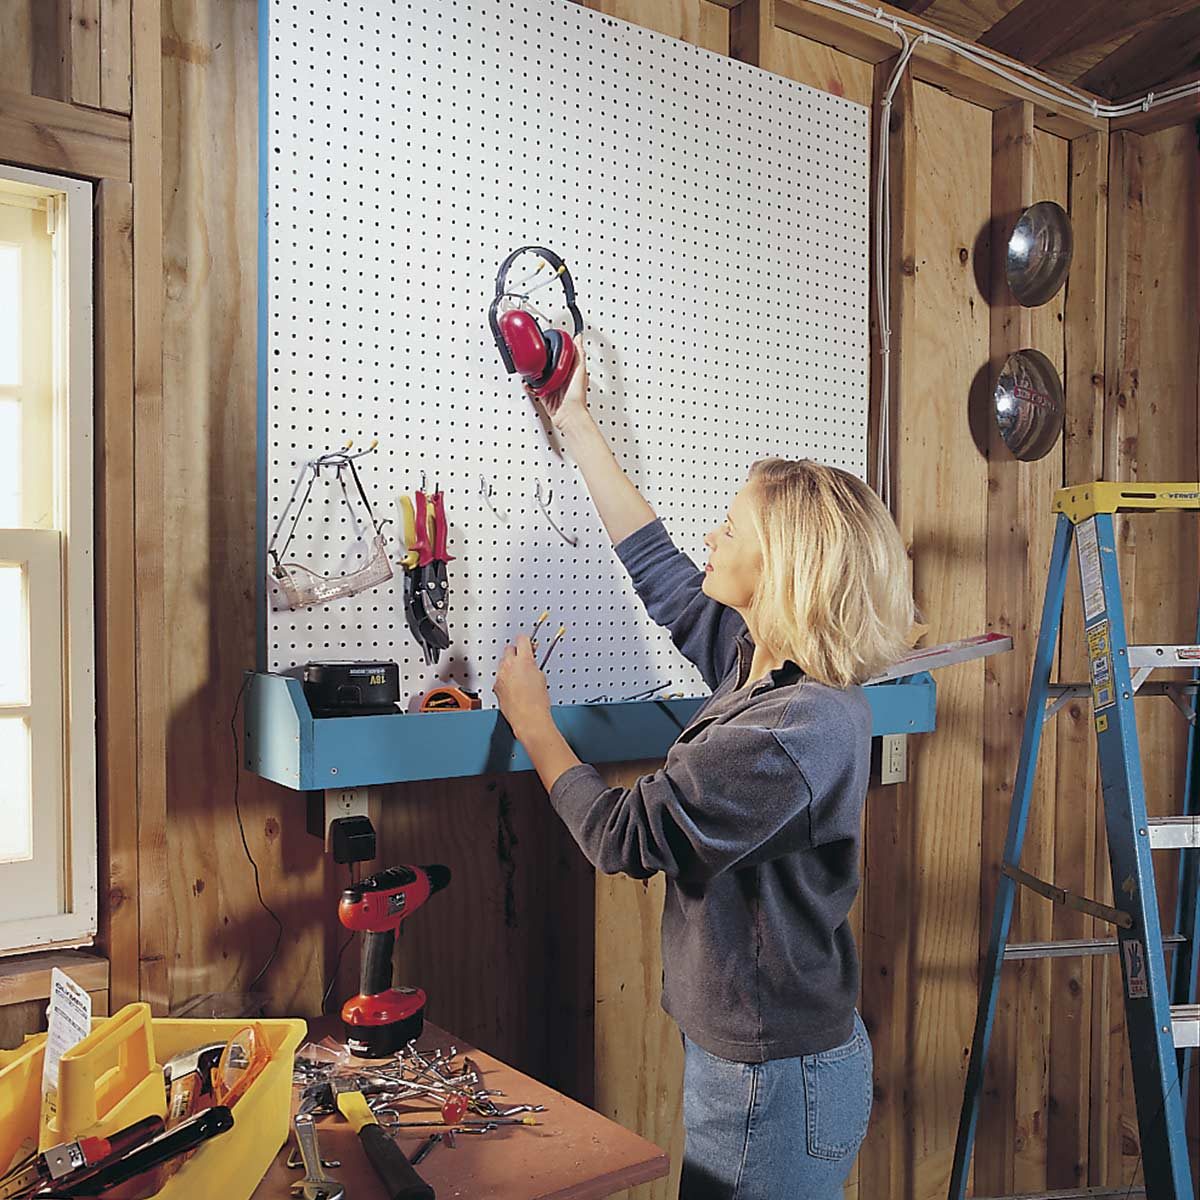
(1135, 970)
(1100, 657)
(1087, 548)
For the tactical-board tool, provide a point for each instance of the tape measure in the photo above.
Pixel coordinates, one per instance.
(449, 698)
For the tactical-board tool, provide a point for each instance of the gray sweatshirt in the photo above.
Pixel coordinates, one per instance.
(755, 819)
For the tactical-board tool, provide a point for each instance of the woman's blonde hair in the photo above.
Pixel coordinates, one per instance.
(834, 596)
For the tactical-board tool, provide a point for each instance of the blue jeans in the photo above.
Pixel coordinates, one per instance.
(787, 1129)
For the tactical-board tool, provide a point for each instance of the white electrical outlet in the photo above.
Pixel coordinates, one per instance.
(893, 758)
(344, 802)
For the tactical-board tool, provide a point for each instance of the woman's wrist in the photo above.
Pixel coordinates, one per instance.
(576, 422)
(534, 730)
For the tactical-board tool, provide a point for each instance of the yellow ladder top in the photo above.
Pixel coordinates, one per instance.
(1087, 499)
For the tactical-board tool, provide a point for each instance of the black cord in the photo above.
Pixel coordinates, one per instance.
(237, 808)
(337, 962)
(1162, 1108)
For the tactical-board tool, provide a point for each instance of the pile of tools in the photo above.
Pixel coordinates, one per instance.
(413, 1090)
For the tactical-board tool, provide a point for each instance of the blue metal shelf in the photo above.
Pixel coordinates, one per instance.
(286, 744)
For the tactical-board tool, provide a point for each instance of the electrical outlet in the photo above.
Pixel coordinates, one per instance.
(344, 802)
(893, 758)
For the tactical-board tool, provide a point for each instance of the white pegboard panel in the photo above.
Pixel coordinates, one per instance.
(714, 218)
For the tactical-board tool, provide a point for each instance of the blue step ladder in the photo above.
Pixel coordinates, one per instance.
(1161, 1014)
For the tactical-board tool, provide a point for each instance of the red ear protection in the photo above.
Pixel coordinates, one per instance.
(562, 365)
(544, 358)
(523, 337)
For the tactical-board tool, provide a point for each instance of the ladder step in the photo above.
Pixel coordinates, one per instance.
(1163, 656)
(1073, 1194)
(1185, 1025)
(1174, 833)
(1076, 948)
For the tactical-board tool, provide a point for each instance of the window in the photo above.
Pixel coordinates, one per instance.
(47, 686)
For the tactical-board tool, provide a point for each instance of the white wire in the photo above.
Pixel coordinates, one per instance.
(1062, 93)
(1059, 94)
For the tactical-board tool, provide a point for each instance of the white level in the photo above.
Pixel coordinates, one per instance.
(949, 654)
(1174, 833)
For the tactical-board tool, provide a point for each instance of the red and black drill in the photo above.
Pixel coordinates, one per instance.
(381, 1019)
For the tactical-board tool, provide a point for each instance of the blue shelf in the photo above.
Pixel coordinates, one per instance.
(286, 744)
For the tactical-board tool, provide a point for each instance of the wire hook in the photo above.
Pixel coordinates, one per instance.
(544, 506)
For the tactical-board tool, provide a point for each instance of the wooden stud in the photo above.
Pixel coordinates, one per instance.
(49, 51)
(116, 570)
(941, 513)
(1038, 482)
(48, 135)
(149, 533)
(751, 32)
(1113, 1124)
(115, 55)
(639, 1057)
(888, 842)
(85, 52)
(1163, 602)
(1077, 799)
(1007, 674)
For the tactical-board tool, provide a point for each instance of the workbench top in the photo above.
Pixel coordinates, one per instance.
(572, 1154)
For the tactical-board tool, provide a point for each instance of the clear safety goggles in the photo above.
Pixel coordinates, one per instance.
(302, 587)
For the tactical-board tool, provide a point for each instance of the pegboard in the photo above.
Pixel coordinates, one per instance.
(715, 221)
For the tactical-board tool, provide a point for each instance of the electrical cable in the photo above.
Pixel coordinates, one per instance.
(337, 962)
(237, 808)
(1035, 83)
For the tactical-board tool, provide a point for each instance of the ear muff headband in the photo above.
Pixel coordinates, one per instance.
(568, 285)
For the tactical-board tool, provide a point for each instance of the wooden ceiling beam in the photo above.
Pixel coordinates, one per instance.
(1165, 51)
(1075, 56)
(1037, 29)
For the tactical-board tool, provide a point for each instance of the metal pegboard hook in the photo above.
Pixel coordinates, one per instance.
(487, 491)
(544, 505)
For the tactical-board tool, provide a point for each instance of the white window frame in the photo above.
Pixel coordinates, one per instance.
(60, 581)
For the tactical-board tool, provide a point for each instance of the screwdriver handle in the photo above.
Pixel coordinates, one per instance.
(395, 1172)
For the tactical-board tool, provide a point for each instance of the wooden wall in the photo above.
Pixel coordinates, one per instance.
(526, 954)
(505, 952)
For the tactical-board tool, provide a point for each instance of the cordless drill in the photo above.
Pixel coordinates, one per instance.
(381, 1019)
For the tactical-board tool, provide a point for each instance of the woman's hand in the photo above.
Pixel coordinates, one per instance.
(521, 689)
(570, 403)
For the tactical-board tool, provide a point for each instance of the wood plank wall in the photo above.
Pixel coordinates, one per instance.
(526, 953)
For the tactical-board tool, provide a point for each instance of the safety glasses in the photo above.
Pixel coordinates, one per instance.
(241, 1062)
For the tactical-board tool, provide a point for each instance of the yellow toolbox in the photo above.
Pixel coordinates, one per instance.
(107, 1081)
(20, 1100)
(230, 1168)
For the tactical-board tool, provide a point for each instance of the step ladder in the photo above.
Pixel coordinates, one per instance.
(1161, 1014)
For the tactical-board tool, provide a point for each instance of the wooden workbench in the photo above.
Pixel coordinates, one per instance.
(572, 1154)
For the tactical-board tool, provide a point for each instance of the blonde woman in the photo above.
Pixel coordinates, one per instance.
(755, 817)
